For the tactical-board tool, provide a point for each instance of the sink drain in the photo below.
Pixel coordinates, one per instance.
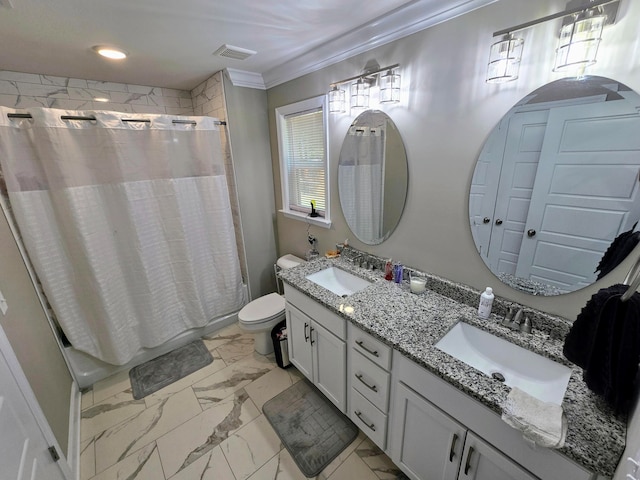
(497, 376)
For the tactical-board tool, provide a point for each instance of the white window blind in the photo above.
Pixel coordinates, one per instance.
(305, 157)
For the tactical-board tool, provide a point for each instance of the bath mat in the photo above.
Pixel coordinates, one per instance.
(312, 429)
(168, 368)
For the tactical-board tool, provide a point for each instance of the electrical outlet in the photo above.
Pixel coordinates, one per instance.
(3, 304)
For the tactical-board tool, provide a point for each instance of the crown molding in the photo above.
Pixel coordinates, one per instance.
(399, 23)
(242, 78)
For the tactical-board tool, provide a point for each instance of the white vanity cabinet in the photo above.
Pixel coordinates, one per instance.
(369, 381)
(438, 432)
(317, 347)
(430, 445)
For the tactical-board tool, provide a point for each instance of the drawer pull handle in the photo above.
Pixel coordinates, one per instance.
(467, 464)
(306, 336)
(311, 335)
(370, 425)
(372, 352)
(371, 387)
(452, 452)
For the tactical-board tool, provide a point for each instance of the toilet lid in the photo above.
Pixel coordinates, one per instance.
(262, 308)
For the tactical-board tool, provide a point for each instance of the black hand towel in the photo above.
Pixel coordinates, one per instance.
(621, 246)
(605, 342)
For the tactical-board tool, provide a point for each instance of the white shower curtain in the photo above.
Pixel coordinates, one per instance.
(127, 223)
(360, 181)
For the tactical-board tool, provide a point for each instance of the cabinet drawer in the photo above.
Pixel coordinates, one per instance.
(329, 320)
(370, 347)
(368, 418)
(370, 380)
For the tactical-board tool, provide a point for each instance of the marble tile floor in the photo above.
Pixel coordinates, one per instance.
(206, 426)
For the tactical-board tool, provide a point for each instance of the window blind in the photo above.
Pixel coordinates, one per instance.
(305, 156)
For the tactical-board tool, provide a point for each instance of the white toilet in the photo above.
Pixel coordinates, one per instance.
(262, 314)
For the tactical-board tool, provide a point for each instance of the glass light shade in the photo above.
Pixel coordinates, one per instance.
(390, 87)
(579, 43)
(336, 100)
(504, 60)
(360, 94)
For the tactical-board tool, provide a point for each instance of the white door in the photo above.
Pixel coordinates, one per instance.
(483, 462)
(329, 365)
(427, 444)
(298, 328)
(24, 450)
(586, 192)
(525, 135)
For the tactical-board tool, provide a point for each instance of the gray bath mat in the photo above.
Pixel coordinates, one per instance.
(168, 368)
(310, 426)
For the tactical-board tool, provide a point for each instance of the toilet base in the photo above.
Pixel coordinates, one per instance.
(263, 343)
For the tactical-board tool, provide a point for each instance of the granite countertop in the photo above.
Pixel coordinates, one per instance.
(412, 324)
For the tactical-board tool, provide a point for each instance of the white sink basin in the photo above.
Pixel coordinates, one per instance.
(338, 281)
(539, 376)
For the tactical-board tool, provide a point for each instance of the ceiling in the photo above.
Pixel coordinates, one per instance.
(171, 43)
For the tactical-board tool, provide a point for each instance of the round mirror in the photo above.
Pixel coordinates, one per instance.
(553, 203)
(372, 177)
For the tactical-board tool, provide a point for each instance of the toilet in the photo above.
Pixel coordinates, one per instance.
(262, 314)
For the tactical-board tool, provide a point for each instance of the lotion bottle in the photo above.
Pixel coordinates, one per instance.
(486, 299)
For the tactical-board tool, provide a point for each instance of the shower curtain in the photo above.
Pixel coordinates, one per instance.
(127, 222)
(360, 181)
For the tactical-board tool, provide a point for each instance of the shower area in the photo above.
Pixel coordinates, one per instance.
(127, 224)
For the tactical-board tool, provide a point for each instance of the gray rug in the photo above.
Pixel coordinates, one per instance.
(310, 426)
(168, 368)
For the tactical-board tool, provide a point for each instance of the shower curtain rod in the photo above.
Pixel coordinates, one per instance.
(143, 120)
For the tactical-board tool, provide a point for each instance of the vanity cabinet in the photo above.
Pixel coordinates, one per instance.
(430, 445)
(438, 432)
(369, 381)
(317, 347)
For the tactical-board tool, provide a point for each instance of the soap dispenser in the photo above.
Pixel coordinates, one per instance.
(486, 299)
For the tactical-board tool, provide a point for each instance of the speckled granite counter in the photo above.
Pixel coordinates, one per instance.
(412, 324)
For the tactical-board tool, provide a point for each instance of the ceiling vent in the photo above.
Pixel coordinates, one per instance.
(229, 51)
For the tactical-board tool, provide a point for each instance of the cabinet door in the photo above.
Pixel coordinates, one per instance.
(483, 462)
(428, 444)
(298, 341)
(329, 365)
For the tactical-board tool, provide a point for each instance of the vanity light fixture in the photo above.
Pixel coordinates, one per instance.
(110, 52)
(390, 87)
(579, 39)
(386, 79)
(360, 94)
(336, 100)
(504, 59)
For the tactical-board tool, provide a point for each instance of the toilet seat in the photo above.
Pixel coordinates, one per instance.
(262, 310)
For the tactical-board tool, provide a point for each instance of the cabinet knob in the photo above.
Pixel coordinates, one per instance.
(498, 222)
(486, 220)
(531, 232)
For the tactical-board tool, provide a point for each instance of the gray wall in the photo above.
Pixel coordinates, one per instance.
(247, 126)
(32, 340)
(444, 119)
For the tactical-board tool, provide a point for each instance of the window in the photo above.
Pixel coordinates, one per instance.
(302, 142)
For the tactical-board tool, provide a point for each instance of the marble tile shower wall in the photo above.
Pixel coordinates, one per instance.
(22, 90)
(208, 99)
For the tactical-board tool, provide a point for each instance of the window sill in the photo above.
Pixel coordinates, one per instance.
(317, 221)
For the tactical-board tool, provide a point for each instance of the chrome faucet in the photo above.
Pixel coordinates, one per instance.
(515, 321)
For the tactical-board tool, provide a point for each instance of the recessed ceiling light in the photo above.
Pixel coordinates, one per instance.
(100, 99)
(110, 52)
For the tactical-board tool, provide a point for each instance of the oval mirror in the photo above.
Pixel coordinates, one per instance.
(553, 203)
(372, 177)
